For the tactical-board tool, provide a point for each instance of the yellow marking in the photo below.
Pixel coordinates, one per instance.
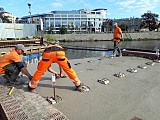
(14, 28)
(10, 92)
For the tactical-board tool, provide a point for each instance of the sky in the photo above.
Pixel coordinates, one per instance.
(116, 9)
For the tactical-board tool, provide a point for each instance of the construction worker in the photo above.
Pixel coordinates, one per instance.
(54, 53)
(11, 64)
(117, 38)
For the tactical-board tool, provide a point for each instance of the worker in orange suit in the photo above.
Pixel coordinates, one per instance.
(54, 53)
(11, 65)
(117, 38)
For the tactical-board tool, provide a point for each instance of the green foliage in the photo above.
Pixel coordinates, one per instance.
(5, 19)
(51, 28)
(127, 39)
(123, 26)
(63, 30)
(149, 20)
(49, 38)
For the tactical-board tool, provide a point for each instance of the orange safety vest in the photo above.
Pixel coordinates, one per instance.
(117, 34)
(8, 58)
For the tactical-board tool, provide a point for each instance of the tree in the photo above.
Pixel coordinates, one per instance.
(5, 19)
(76, 27)
(51, 28)
(124, 27)
(149, 20)
(109, 25)
(72, 27)
(63, 30)
(68, 27)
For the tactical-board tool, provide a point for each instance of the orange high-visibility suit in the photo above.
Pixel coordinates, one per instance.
(53, 54)
(117, 34)
(117, 42)
(8, 58)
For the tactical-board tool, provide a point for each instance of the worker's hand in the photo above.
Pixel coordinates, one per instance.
(62, 75)
(30, 77)
(56, 74)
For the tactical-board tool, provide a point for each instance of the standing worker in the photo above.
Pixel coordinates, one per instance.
(54, 53)
(117, 38)
(11, 65)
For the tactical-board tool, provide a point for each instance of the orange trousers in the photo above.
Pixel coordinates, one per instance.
(53, 57)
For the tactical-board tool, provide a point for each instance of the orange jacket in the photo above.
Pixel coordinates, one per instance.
(117, 34)
(10, 57)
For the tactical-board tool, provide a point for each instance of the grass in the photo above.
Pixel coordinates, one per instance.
(127, 39)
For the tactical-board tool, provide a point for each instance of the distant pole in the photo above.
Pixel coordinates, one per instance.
(29, 5)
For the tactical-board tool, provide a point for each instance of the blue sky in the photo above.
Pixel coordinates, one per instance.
(115, 8)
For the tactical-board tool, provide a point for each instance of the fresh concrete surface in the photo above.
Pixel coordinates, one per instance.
(25, 105)
(137, 94)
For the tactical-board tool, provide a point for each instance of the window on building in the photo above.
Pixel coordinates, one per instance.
(52, 23)
(70, 16)
(84, 19)
(70, 23)
(77, 18)
(50, 15)
(98, 12)
(57, 18)
(51, 19)
(92, 19)
(64, 23)
(83, 23)
(84, 16)
(64, 18)
(63, 15)
(47, 25)
(57, 24)
(77, 23)
(77, 15)
(57, 15)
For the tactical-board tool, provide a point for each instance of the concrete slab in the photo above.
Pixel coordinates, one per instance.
(25, 105)
(122, 99)
(135, 95)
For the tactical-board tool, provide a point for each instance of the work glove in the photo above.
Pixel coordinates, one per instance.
(30, 77)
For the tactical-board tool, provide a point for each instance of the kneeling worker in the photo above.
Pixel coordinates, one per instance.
(11, 65)
(54, 53)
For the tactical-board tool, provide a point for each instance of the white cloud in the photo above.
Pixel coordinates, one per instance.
(137, 7)
(126, 3)
(115, 8)
(57, 4)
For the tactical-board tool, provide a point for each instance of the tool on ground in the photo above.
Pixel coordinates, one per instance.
(54, 85)
(55, 99)
(11, 90)
(52, 100)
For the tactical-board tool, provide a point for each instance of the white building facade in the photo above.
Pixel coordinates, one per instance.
(75, 21)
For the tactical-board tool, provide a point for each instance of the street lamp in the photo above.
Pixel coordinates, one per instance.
(29, 5)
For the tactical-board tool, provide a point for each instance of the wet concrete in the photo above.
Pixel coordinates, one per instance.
(136, 94)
